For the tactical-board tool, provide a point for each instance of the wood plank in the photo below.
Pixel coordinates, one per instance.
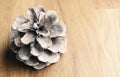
(93, 33)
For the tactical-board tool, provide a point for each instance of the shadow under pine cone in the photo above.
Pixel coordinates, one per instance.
(10, 61)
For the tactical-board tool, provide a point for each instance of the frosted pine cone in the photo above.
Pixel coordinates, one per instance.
(38, 39)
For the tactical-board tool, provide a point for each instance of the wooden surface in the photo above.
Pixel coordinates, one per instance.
(93, 32)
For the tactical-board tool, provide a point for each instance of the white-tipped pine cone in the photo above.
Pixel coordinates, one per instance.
(38, 39)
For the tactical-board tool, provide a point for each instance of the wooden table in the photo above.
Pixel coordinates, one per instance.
(93, 32)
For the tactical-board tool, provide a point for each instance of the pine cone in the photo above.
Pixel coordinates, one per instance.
(38, 39)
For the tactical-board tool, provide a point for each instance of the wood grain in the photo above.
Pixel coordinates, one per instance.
(93, 32)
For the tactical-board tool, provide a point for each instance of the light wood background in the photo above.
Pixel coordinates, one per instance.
(93, 32)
